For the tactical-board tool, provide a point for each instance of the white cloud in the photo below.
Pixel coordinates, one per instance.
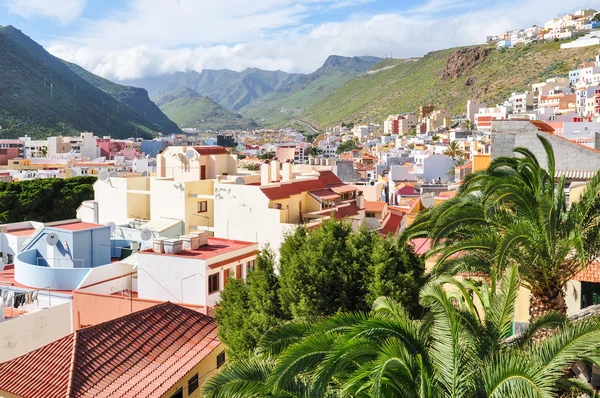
(155, 37)
(64, 11)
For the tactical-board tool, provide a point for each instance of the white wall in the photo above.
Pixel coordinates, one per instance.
(242, 212)
(33, 330)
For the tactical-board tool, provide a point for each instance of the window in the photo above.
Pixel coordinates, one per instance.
(213, 283)
(370, 215)
(220, 359)
(202, 207)
(249, 267)
(178, 394)
(193, 384)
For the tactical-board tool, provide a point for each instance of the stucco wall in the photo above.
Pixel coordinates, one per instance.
(507, 135)
(33, 330)
(242, 212)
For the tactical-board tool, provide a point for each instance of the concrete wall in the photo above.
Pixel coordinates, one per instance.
(86, 304)
(43, 277)
(33, 330)
(507, 135)
(242, 212)
(437, 166)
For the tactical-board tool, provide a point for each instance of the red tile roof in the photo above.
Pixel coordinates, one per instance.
(542, 126)
(374, 206)
(142, 354)
(591, 273)
(211, 150)
(324, 194)
(421, 245)
(21, 231)
(391, 224)
(343, 188)
(287, 189)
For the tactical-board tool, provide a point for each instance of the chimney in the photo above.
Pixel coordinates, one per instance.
(597, 140)
(360, 200)
(287, 172)
(265, 174)
(275, 170)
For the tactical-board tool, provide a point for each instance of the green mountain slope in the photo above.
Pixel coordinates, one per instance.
(136, 98)
(303, 91)
(273, 97)
(41, 96)
(192, 110)
(446, 78)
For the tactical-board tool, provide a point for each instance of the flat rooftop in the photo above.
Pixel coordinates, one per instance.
(76, 226)
(215, 247)
(21, 231)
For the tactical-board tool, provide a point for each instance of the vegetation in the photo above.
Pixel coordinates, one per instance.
(322, 272)
(515, 212)
(454, 150)
(409, 85)
(457, 350)
(347, 146)
(40, 96)
(43, 199)
(314, 151)
(189, 109)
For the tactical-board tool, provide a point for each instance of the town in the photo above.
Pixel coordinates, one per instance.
(427, 253)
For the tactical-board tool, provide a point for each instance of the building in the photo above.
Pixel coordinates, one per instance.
(485, 116)
(522, 102)
(425, 110)
(400, 124)
(473, 107)
(195, 275)
(226, 141)
(182, 189)
(438, 119)
(163, 351)
(153, 147)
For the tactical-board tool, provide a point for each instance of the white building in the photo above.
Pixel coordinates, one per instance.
(194, 275)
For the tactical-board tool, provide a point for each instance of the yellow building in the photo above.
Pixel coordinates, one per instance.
(163, 351)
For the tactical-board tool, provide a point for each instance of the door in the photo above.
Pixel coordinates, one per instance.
(238, 271)
(225, 277)
(203, 172)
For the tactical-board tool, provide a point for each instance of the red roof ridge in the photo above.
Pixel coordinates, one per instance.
(72, 366)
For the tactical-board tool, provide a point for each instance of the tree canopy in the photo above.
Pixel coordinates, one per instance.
(44, 199)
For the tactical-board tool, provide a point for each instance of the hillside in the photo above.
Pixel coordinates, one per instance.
(446, 78)
(266, 96)
(189, 109)
(305, 90)
(136, 98)
(41, 96)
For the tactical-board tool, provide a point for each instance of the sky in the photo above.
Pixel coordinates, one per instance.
(132, 39)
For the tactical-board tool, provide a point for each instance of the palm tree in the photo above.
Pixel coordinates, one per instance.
(314, 151)
(458, 350)
(468, 124)
(454, 150)
(516, 212)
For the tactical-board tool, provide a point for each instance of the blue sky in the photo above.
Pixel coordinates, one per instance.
(129, 39)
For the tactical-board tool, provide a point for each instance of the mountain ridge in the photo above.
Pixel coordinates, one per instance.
(41, 96)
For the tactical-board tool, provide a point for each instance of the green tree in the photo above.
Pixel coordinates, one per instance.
(314, 151)
(395, 271)
(458, 350)
(347, 146)
(454, 151)
(516, 212)
(468, 124)
(249, 308)
(251, 166)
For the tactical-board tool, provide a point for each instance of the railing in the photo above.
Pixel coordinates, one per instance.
(53, 260)
(32, 238)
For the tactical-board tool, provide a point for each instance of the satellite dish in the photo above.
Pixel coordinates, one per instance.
(112, 226)
(144, 174)
(103, 175)
(427, 200)
(240, 180)
(52, 239)
(190, 153)
(146, 234)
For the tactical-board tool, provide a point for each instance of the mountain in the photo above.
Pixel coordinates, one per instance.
(271, 96)
(305, 90)
(446, 78)
(40, 95)
(191, 110)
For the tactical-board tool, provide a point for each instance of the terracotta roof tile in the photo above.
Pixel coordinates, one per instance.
(591, 273)
(139, 355)
(211, 150)
(391, 224)
(376, 206)
(296, 187)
